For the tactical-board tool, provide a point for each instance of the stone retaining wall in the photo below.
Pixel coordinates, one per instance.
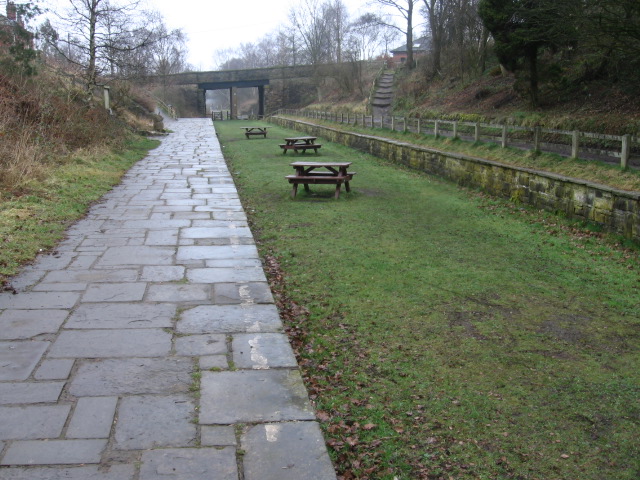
(617, 210)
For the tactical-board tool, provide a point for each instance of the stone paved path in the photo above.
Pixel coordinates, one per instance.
(148, 345)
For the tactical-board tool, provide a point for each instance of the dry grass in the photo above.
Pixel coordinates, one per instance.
(43, 121)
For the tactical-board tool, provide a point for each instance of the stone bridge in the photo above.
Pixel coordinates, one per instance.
(253, 77)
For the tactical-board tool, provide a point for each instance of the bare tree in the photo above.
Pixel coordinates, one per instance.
(104, 31)
(314, 28)
(437, 15)
(406, 10)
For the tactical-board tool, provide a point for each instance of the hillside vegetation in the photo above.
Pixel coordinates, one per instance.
(58, 154)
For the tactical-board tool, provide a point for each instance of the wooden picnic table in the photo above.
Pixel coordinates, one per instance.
(330, 173)
(250, 131)
(300, 144)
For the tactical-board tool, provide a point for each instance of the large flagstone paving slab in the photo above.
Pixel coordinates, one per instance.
(30, 392)
(31, 422)
(286, 451)
(253, 396)
(230, 319)
(218, 251)
(54, 452)
(132, 376)
(140, 255)
(260, 351)
(111, 343)
(113, 472)
(38, 300)
(151, 421)
(122, 315)
(189, 464)
(22, 324)
(18, 359)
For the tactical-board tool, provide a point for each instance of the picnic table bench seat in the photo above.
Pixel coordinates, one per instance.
(300, 146)
(320, 178)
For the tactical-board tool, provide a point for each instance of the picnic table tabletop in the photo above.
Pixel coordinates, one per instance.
(291, 140)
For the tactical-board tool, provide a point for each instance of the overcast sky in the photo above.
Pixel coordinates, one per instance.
(220, 24)
(213, 25)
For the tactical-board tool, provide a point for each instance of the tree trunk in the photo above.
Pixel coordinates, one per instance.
(532, 58)
(410, 61)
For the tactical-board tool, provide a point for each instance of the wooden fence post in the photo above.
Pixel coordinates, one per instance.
(419, 127)
(436, 129)
(504, 137)
(404, 124)
(393, 123)
(626, 148)
(575, 144)
(455, 130)
(536, 139)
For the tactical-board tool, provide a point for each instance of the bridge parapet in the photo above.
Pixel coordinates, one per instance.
(250, 74)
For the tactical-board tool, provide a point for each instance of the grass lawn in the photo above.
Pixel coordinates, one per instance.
(443, 333)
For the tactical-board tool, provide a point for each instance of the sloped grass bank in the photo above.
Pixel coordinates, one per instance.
(34, 219)
(443, 333)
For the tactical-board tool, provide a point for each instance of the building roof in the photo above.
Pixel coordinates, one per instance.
(419, 45)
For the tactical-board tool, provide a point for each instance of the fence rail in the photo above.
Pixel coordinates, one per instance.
(574, 144)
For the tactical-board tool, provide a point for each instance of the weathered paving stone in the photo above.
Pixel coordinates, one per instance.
(53, 262)
(218, 436)
(111, 343)
(206, 253)
(233, 263)
(189, 464)
(141, 255)
(19, 358)
(163, 273)
(197, 345)
(261, 351)
(84, 261)
(253, 396)
(222, 275)
(238, 293)
(38, 300)
(229, 319)
(156, 224)
(92, 276)
(132, 376)
(215, 362)
(215, 232)
(121, 315)
(31, 392)
(59, 287)
(286, 451)
(57, 369)
(114, 292)
(54, 452)
(20, 324)
(92, 417)
(152, 421)
(162, 237)
(113, 472)
(31, 422)
(178, 293)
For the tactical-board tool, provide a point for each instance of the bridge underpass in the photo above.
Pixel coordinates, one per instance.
(233, 87)
(247, 78)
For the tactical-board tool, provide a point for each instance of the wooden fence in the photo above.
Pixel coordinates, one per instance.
(574, 144)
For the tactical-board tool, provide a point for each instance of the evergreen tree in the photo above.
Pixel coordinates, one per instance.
(522, 28)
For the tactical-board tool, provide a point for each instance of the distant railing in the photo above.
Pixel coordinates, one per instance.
(574, 144)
